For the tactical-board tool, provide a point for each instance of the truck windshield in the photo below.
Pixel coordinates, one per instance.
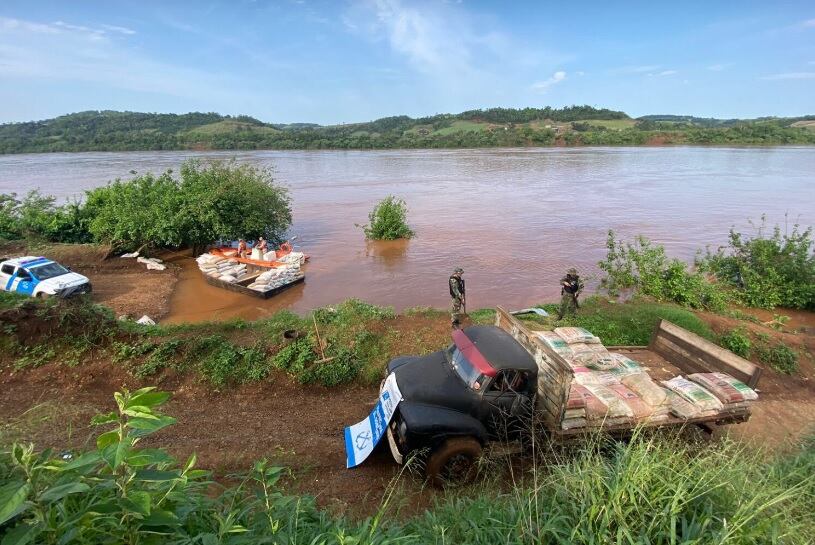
(49, 270)
(466, 370)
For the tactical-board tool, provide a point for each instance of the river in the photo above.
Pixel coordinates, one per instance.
(514, 219)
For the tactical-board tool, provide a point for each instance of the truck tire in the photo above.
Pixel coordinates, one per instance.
(454, 462)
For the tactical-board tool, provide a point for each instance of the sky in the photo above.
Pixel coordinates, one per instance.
(343, 61)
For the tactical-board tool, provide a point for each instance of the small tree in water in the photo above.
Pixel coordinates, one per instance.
(388, 220)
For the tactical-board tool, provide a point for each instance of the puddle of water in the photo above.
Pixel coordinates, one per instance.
(514, 219)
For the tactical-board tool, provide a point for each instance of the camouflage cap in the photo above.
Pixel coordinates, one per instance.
(572, 271)
(458, 270)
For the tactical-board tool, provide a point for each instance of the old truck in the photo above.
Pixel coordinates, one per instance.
(492, 382)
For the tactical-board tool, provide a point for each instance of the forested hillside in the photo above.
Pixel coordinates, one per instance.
(495, 127)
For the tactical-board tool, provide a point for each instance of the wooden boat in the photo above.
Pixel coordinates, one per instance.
(254, 267)
(241, 287)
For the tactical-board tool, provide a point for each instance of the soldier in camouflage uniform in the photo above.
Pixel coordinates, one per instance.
(570, 288)
(457, 294)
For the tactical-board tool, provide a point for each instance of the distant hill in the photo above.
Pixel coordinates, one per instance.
(494, 127)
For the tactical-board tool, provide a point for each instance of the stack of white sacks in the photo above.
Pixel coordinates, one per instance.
(277, 277)
(222, 268)
(611, 388)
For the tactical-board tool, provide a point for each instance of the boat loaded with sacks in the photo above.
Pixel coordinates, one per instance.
(262, 275)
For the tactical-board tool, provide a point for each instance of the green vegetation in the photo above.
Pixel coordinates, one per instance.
(643, 267)
(207, 202)
(655, 489)
(779, 356)
(763, 272)
(631, 323)
(388, 220)
(737, 341)
(767, 271)
(494, 127)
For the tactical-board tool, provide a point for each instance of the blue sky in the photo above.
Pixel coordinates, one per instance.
(356, 60)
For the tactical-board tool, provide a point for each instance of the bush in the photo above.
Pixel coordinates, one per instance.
(737, 341)
(388, 220)
(766, 272)
(643, 267)
(206, 203)
(780, 357)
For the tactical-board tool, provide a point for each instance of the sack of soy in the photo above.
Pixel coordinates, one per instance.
(574, 335)
(694, 393)
(726, 388)
(557, 344)
(650, 392)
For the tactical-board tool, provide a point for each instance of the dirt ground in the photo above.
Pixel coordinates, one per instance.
(301, 426)
(124, 285)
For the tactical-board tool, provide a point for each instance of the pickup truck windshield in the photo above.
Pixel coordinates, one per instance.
(468, 373)
(49, 270)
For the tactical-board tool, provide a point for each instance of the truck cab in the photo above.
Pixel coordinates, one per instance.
(481, 388)
(40, 277)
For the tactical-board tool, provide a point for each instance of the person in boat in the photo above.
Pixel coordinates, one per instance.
(242, 250)
(457, 294)
(262, 245)
(570, 287)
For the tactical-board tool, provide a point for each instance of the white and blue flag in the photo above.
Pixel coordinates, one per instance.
(361, 438)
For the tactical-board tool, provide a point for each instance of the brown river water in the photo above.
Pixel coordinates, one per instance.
(514, 219)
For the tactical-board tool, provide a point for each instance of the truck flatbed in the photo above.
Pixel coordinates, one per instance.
(673, 351)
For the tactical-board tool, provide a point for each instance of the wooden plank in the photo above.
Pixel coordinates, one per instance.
(554, 373)
(702, 354)
(678, 356)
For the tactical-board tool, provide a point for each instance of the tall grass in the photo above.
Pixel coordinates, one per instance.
(655, 489)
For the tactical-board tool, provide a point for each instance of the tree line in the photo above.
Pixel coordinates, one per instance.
(495, 127)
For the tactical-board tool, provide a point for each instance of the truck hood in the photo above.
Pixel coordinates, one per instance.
(70, 280)
(431, 380)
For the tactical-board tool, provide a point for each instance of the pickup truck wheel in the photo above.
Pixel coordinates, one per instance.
(453, 462)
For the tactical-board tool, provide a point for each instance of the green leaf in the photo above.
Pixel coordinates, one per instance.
(101, 419)
(12, 500)
(138, 502)
(140, 411)
(120, 400)
(107, 438)
(143, 427)
(21, 534)
(82, 462)
(160, 517)
(155, 475)
(115, 453)
(148, 399)
(58, 492)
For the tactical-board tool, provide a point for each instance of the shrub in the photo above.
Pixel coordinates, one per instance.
(643, 267)
(766, 272)
(388, 220)
(780, 357)
(737, 341)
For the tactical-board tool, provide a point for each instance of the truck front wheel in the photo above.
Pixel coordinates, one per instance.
(454, 462)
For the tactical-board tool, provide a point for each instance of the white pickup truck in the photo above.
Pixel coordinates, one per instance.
(40, 277)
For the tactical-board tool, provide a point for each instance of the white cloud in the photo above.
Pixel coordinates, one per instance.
(667, 73)
(445, 40)
(809, 23)
(119, 29)
(556, 78)
(66, 52)
(790, 75)
(717, 67)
